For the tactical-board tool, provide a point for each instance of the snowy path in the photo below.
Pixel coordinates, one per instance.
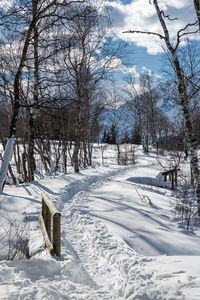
(115, 267)
(104, 221)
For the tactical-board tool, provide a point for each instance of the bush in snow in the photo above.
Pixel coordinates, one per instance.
(14, 238)
(126, 154)
(186, 206)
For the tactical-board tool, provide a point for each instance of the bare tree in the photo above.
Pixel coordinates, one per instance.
(88, 57)
(182, 81)
(143, 102)
(20, 20)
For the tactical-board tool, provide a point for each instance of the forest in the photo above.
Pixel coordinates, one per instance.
(57, 59)
(99, 159)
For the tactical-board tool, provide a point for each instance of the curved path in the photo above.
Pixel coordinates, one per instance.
(113, 240)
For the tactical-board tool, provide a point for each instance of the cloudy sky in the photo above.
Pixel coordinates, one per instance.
(146, 51)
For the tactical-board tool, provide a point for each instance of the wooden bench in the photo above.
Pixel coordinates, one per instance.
(172, 175)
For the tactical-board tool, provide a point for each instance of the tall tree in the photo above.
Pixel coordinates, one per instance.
(182, 81)
(21, 19)
(87, 59)
(143, 102)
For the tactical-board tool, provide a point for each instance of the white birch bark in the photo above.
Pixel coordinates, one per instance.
(52, 165)
(5, 161)
(184, 99)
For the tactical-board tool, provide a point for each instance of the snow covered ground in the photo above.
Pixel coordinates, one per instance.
(115, 244)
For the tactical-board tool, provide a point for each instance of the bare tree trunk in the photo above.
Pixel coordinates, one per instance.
(184, 99)
(85, 153)
(31, 159)
(17, 157)
(77, 141)
(24, 163)
(197, 8)
(14, 181)
(64, 155)
(16, 106)
(90, 148)
(182, 88)
(5, 161)
(75, 156)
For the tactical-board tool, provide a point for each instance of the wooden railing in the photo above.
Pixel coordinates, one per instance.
(52, 239)
(172, 176)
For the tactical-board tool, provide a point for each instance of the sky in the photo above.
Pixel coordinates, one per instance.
(146, 52)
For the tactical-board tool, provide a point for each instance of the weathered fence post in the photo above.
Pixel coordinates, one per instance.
(165, 176)
(48, 222)
(44, 210)
(176, 171)
(56, 234)
(49, 211)
(172, 177)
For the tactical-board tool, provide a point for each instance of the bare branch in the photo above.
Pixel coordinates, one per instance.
(145, 32)
(182, 33)
(168, 16)
(196, 87)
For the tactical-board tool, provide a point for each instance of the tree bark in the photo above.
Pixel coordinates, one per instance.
(5, 161)
(197, 9)
(31, 135)
(16, 106)
(75, 156)
(184, 102)
(31, 159)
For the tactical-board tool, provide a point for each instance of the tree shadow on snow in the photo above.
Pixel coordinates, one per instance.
(150, 181)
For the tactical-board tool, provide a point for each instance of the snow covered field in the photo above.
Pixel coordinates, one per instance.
(115, 244)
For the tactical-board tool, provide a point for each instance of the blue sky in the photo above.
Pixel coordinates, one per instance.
(122, 1)
(138, 56)
(147, 51)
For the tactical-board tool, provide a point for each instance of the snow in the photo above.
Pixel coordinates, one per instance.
(115, 243)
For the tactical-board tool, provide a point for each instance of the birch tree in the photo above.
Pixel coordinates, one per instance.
(87, 59)
(20, 19)
(183, 81)
(143, 102)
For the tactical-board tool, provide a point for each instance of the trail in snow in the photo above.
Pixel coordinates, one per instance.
(116, 269)
(99, 260)
(86, 184)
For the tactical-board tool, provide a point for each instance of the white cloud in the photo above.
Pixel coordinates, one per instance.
(147, 71)
(141, 15)
(178, 3)
(131, 70)
(5, 4)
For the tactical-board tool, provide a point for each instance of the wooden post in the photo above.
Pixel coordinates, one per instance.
(49, 211)
(170, 176)
(172, 179)
(56, 234)
(48, 244)
(48, 222)
(44, 210)
(176, 184)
